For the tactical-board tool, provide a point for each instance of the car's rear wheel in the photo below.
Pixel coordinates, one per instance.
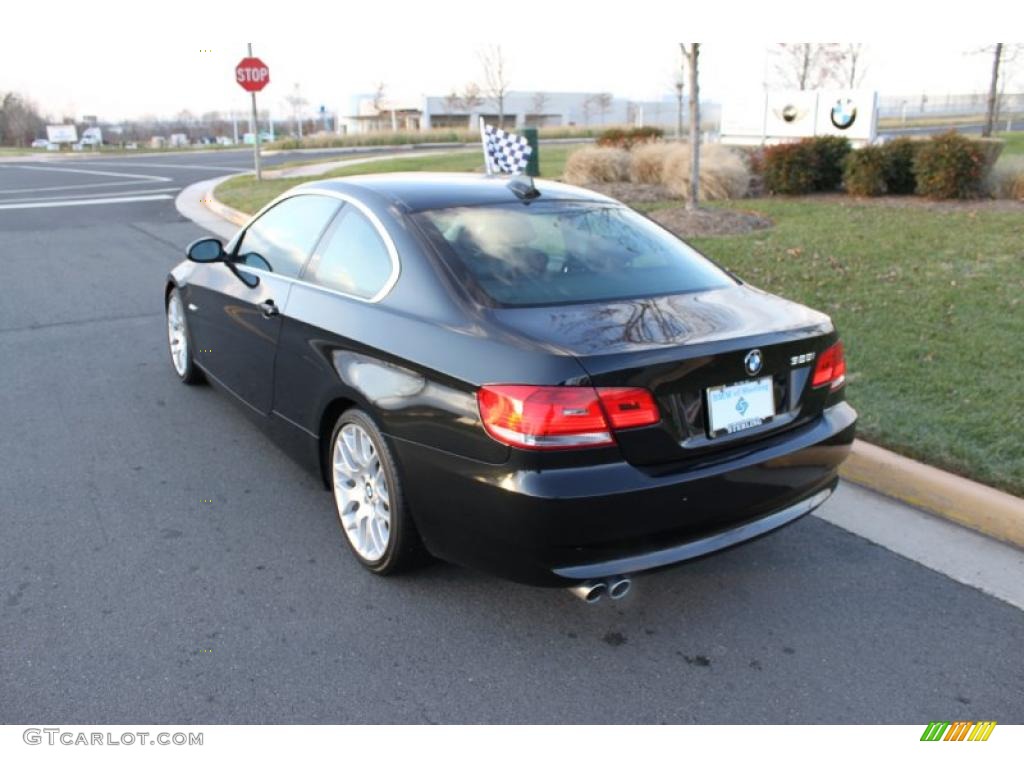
(178, 340)
(368, 496)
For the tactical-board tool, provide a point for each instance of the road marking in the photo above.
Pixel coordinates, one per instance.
(104, 201)
(92, 173)
(171, 165)
(73, 187)
(83, 197)
(961, 554)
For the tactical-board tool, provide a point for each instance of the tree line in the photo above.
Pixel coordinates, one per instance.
(20, 121)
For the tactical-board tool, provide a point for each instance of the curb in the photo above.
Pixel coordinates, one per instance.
(966, 502)
(969, 503)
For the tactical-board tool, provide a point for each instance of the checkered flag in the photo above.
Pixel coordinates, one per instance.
(504, 152)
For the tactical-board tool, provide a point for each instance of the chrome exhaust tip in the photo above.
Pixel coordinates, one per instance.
(589, 591)
(619, 586)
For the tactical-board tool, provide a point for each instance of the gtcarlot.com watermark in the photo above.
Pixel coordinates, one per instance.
(55, 736)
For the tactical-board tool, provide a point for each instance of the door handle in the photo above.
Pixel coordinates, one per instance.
(269, 309)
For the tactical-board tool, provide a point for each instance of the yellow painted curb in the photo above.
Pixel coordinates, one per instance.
(227, 213)
(956, 498)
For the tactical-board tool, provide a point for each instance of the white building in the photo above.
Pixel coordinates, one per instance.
(540, 109)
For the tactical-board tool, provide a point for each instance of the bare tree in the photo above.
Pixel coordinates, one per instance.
(538, 105)
(587, 108)
(296, 101)
(850, 64)
(496, 81)
(379, 95)
(679, 84)
(20, 121)
(452, 102)
(993, 90)
(690, 53)
(470, 99)
(603, 102)
(806, 66)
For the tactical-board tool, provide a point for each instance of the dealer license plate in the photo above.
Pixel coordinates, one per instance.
(735, 407)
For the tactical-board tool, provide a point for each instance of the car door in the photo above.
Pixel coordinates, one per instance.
(353, 267)
(241, 302)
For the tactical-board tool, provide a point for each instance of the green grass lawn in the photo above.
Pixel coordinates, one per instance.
(929, 304)
(245, 194)
(1014, 143)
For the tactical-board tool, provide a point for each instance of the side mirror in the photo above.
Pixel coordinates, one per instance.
(205, 250)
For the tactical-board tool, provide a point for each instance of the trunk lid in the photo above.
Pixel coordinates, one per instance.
(679, 346)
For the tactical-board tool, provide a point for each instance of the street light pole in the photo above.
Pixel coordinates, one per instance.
(255, 131)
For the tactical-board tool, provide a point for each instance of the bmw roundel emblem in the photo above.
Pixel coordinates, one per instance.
(843, 114)
(752, 362)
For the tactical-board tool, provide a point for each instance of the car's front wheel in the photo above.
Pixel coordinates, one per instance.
(178, 340)
(368, 496)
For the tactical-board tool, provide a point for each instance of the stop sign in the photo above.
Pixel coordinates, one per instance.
(252, 74)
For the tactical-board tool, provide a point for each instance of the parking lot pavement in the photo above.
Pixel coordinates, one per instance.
(162, 562)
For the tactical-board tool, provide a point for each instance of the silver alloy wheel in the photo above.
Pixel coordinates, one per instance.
(361, 492)
(176, 335)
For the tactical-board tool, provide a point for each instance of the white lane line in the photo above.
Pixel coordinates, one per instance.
(92, 173)
(104, 201)
(73, 187)
(961, 554)
(82, 197)
(172, 166)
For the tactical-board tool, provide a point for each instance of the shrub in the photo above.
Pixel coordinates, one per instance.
(790, 169)
(830, 157)
(645, 133)
(1007, 179)
(723, 174)
(951, 166)
(864, 173)
(899, 166)
(647, 162)
(626, 138)
(597, 164)
(612, 137)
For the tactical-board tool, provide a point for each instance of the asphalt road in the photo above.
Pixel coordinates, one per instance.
(125, 597)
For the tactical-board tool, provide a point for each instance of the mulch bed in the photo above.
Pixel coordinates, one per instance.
(709, 221)
(700, 223)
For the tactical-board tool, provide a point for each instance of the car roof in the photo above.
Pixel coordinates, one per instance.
(424, 191)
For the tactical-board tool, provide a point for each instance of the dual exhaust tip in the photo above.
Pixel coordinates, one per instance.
(591, 591)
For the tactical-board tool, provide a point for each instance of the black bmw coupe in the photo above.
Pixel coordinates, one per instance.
(531, 380)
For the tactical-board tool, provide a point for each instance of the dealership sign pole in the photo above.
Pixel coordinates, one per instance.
(253, 75)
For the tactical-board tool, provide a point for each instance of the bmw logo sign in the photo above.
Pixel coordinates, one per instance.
(789, 113)
(844, 113)
(752, 362)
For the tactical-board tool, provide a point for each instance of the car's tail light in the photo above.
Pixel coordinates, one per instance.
(831, 367)
(628, 406)
(562, 417)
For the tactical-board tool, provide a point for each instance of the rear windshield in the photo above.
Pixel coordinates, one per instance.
(563, 253)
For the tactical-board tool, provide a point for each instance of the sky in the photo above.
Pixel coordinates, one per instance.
(132, 60)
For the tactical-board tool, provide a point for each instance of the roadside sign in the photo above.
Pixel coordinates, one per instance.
(252, 74)
(61, 134)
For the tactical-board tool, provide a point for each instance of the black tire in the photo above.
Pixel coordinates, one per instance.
(190, 374)
(404, 548)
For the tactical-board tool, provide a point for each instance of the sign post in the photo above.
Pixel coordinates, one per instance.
(253, 75)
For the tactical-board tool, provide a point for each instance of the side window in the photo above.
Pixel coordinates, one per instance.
(353, 258)
(282, 238)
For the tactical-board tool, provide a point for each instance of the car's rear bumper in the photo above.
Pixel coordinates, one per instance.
(564, 525)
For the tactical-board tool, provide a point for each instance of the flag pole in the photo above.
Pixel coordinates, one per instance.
(483, 146)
